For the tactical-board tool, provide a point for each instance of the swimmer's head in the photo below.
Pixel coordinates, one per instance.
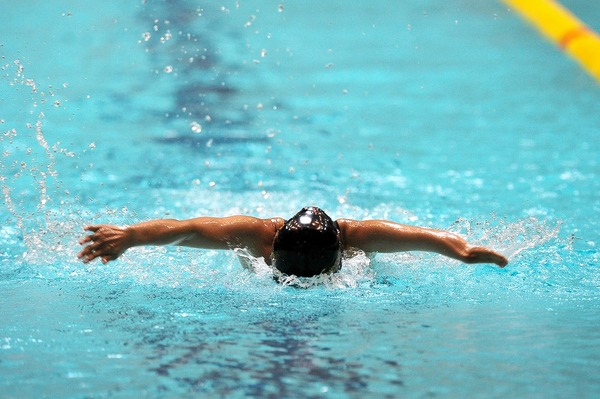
(308, 244)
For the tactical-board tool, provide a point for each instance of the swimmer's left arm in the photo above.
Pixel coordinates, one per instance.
(386, 236)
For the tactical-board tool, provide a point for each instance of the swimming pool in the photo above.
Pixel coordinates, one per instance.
(453, 116)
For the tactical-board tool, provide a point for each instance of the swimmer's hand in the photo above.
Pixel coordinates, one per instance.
(106, 242)
(484, 255)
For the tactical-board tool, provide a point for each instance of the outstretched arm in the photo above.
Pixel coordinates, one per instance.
(386, 236)
(108, 242)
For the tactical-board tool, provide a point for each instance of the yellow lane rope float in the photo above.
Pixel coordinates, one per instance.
(563, 28)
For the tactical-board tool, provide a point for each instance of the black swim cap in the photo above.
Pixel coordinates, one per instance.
(308, 244)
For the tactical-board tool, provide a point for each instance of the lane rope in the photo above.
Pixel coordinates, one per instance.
(564, 29)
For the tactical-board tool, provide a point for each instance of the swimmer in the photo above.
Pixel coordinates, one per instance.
(308, 244)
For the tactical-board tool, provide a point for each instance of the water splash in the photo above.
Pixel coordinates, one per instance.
(509, 238)
(35, 207)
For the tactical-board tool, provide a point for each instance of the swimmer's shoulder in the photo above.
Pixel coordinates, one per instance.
(276, 223)
(347, 224)
(349, 230)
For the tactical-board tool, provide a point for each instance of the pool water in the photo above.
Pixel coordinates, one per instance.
(456, 116)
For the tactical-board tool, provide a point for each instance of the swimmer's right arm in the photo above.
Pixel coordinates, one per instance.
(108, 242)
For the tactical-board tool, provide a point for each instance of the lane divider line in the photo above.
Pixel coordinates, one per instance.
(564, 29)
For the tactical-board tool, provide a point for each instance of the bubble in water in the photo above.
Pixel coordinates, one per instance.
(31, 83)
(196, 127)
(146, 36)
(166, 37)
(271, 133)
(168, 69)
(250, 21)
(280, 7)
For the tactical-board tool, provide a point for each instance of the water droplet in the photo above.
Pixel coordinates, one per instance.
(146, 36)
(168, 69)
(249, 23)
(31, 83)
(92, 146)
(166, 37)
(196, 127)
(263, 53)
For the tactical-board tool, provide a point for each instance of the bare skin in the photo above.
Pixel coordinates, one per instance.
(108, 242)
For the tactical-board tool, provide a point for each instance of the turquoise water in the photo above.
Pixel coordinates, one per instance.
(455, 116)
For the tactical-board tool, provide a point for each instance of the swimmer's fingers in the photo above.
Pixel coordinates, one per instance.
(108, 258)
(90, 253)
(485, 255)
(94, 251)
(87, 239)
(94, 227)
(91, 237)
(84, 252)
(87, 255)
(94, 248)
